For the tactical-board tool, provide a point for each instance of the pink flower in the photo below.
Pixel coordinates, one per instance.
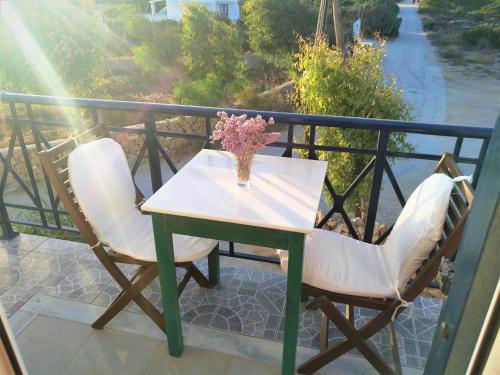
(240, 135)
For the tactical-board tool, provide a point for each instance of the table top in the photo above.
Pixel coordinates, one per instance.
(284, 193)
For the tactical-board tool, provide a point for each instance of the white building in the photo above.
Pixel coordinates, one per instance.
(173, 9)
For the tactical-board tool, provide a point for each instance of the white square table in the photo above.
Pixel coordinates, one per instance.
(277, 210)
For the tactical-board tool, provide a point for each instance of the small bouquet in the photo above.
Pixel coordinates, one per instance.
(243, 137)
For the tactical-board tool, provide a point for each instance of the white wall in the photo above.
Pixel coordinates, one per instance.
(234, 11)
(174, 11)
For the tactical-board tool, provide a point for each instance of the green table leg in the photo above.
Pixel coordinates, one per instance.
(214, 266)
(293, 297)
(168, 283)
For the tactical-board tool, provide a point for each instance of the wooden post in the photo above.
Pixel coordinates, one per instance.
(337, 24)
(321, 25)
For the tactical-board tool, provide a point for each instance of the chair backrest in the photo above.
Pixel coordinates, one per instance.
(54, 162)
(103, 185)
(419, 226)
(457, 209)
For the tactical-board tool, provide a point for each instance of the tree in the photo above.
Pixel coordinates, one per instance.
(273, 25)
(377, 16)
(330, 84)
(72, 48)
(212, 57)
(160, 48)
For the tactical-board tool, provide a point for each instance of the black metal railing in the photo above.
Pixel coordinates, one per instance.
(378, 165)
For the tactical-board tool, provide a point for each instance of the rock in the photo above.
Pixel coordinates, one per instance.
(357, 222)
(331, 224)
(381, 229)
(319, 216)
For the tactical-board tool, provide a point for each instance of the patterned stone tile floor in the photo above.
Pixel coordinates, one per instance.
(249, 299)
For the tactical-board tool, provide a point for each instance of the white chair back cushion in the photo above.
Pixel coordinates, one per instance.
(102, 183)
(419, 226)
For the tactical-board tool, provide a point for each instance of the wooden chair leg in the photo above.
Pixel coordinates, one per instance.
(323, 335)
(200, 278)
(184, 281)
(130, 294)
(353, 339)
(395, 350)
(349, 314)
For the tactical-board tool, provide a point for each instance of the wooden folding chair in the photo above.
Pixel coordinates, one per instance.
(461, 199)
(55, 164)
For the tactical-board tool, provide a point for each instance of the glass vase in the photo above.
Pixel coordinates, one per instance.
(243, 168)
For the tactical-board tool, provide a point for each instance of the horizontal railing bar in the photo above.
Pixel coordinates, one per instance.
(47, 123)
(279, 117)
(364, 151)
(258, 258)
(181, 135)
(114, 129)
(32, 208)
(409, 155)
(303, 146)
(29, 224)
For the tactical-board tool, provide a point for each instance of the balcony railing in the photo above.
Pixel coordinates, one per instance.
(378, 165)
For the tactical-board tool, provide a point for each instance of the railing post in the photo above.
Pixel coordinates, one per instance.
(378, 172)
(153, 152)
(7, 230)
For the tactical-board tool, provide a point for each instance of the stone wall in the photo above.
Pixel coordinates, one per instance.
(177, 148)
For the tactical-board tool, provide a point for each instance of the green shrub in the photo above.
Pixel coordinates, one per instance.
(56, 56)
(273, 25)
(330, 84)
(452, 52)
(212, 58)
(377, 16)
(208, 91)
(491, 10)
(160, 48)
(475, 35)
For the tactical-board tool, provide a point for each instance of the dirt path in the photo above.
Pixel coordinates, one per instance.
(413, 60)
(438, 91)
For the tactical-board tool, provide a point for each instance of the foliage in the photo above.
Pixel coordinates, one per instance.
(467, 31)
(491, 10)
(478, 34)
(209, 44)
(273, 25)
(73, 49)
(208, 91)
(125, 22)
(160, 48)
(378, 17)
(212, 58)
(330, 84)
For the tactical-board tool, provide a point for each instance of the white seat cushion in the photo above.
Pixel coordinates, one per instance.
(104, 188)
(343, 265)
(136, 239)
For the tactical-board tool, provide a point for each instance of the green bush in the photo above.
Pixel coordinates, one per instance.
(478, 34)
(160, 48)
(212, 58)
(377, 16)
(273, 25)
(48, 54)
(491, 10)
(208, 91)
(331, 84)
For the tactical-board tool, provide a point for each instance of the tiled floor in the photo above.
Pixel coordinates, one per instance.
(249, 300)
(51, 346)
